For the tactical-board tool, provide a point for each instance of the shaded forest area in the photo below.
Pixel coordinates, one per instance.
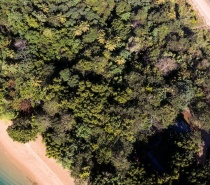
(103, 82)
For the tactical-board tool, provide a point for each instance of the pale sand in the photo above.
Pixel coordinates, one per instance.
(10, 174)
(203, 8)
(31, 160)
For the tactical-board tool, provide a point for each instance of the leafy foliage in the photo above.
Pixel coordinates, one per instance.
(99, 79)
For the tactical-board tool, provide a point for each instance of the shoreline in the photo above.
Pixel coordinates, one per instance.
(30, 159)
(10, 173)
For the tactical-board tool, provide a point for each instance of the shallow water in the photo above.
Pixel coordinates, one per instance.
(10, 174)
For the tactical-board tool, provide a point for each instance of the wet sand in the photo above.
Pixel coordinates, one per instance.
(31, 161)
(10, 174)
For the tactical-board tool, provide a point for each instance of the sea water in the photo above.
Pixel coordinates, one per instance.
(11, 174)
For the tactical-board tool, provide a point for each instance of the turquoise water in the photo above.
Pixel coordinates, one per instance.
(10, 174)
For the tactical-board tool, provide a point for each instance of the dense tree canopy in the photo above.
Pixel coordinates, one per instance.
(102, 80)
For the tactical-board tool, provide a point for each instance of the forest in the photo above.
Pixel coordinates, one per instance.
(105, 82)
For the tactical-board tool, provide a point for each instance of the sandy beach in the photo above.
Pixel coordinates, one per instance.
(203, 8)
(31, 160)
